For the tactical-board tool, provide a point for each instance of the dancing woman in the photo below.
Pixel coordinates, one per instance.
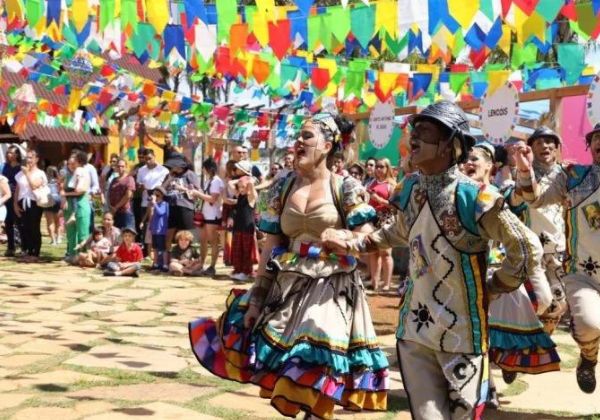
(518, 342)
(303, 332)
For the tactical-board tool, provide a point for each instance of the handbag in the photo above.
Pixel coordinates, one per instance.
(43, 196)
(198, 215)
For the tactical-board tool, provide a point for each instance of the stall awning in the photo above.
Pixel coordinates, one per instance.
(37, 132)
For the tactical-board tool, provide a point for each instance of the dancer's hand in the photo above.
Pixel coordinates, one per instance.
(251, 315)
(334, 240)
(523, 158)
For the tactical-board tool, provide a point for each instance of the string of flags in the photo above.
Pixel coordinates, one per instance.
(297, 55)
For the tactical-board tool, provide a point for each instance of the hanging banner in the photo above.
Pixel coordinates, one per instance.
(593, 101)
(499, 113)
(381, 124)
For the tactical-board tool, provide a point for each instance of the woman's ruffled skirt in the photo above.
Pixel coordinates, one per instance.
(313, 347)
(518, 342)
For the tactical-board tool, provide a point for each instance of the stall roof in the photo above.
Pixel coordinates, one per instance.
(38, 132)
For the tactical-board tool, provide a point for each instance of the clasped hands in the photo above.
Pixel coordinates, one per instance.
(336, 240)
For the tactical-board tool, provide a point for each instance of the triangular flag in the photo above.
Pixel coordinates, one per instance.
(279, 37)
(157, 13)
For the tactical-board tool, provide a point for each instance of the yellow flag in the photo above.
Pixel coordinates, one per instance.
(534, 26)
(429, 68)
(329, 64)
(387, 81)
(261, 30)
(153, 102)
(306, 54)
(370, 99)
(87, 101)
(74, 99)
(14, 9)
(496, 78)
(463, 11)
(504, 42)
(520, 19)
(267, 8)
(386, 16)
(157, 13)
(80, 11)
(117, 9)
(165, 117)
(331, 89)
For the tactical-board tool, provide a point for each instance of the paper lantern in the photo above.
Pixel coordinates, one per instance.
(79, 72)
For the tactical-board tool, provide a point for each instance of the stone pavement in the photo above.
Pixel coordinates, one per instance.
(76, 345)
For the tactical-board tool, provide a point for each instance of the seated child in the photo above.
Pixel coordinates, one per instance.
(96, 250)
(127, 260)
(183, 256)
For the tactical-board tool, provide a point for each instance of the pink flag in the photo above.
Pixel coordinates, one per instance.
(574, 125)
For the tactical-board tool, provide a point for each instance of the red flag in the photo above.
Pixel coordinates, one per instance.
(527, 6)
(505, 7)
(479, 57)
(320, 78)
(279, 37)
(569, 11)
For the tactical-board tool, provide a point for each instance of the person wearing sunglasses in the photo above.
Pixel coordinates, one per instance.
(448, 220)
(369, 171)
(306, 317)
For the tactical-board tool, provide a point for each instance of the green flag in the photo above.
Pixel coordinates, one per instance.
(107, 13)
(339, 22)
(288, 73)
(34, 10)
(523, 55)
(226, 16)
(586, 19)
(571, 58)
(457, 81)
(129, 14)
(362, 23)
(548, 9)
(314, 31)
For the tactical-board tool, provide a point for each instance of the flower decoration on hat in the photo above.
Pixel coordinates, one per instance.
(328, 121)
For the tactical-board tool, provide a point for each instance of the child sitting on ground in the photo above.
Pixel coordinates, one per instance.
(127, 260)
(158, 215)
(96, 250)
(183, 255)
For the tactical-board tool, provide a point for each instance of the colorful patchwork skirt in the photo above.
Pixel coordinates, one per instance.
(518, 342)
(312, 348)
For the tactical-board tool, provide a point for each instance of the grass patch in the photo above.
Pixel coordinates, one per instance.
(117, 376)
(516, 388)
(573, 353)
(202, 405)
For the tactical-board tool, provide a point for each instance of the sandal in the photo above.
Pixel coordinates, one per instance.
(586, 375)
(509, 377)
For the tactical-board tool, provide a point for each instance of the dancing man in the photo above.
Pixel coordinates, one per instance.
(548, 223)
(448, 221)
(578, 186)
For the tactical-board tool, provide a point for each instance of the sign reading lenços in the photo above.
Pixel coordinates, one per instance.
(499, 113)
